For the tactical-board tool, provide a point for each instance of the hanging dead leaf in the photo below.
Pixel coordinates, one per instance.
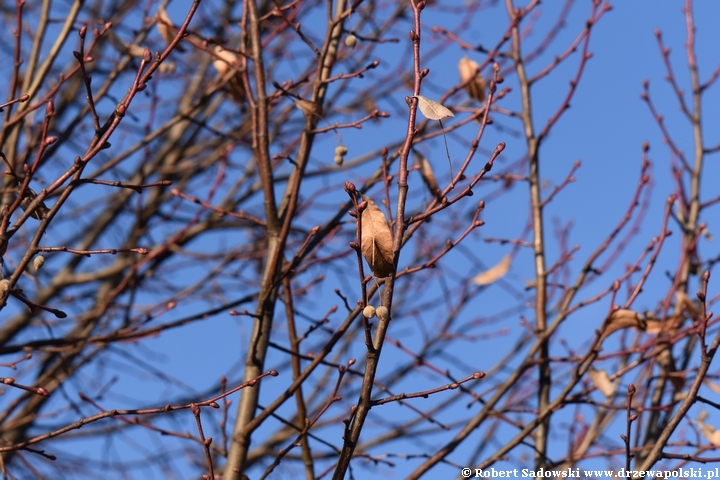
(433, 110)
(601, 380)
(426, 173)
(712, 385)
(376, 241)
(623, 318)
(470, 76)
(306, 106)
(493, 273)
(166, 28)
(224, 62)
(687, 305)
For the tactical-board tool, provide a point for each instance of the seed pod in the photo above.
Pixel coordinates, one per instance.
(369, 311)
(341, 150)
(338, 160)
(4, 286)
(351, 41)
(38, 262)
(382, 312)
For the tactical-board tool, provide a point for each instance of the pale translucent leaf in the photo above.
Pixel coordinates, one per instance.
(601, 380)
(712, 385)
(708, 431)
(494, 273)
(226, 61)
(376, 240)
(433, 110)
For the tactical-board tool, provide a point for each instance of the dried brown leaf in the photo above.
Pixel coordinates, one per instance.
(226, 62)
(426, 173)
(656, 326)
(164, 26)
(432, 109)
(688, 306)
(470, 76)
(601, 380)
(306, 106)
(376, 242)
(494, 273)
(623, 318)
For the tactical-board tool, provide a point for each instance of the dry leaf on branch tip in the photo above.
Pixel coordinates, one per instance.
(494, 273)
(433, 110)
(376, 241)
(474, 82)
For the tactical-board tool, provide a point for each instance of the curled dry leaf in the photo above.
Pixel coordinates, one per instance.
(685, 308)
(426, 173)
(494, 273)
(224, 62)
(601, 380)
(687, 305)
(433, 110)
(376, 241)
(470, 76)
(656, 326)
(623, 318)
